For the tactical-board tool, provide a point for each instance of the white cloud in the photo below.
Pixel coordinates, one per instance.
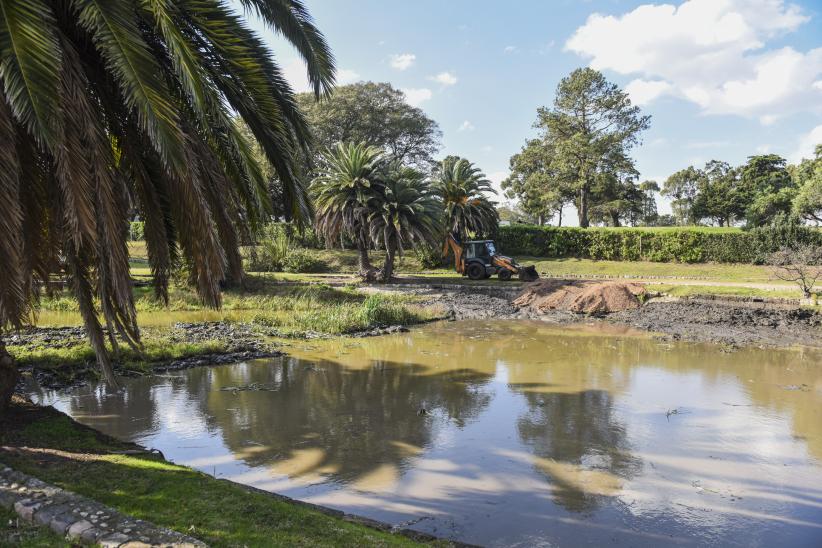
(296, 73)
(709, 52)
(347, 76)
(643, 92)
(807, 145)
(466, 126)
(402, 61)
(763, 149)
(510, 49)
(444, 78)
(416, 96)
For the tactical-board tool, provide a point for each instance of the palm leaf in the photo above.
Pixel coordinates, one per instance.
(30, 65)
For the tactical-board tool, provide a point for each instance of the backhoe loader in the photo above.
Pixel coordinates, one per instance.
(479, 260)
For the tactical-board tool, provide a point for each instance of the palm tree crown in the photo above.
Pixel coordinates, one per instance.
(407, 211)
(344, 192)
(109, 106)
(462, 186)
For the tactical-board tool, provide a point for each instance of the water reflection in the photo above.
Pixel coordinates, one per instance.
(579, 444)
(507, 433)
(321, 418)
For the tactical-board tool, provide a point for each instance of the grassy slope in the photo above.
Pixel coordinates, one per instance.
(52, 447)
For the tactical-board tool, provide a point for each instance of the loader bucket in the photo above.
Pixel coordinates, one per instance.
(528, 273)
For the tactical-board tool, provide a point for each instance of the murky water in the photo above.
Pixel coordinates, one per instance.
(507, 433)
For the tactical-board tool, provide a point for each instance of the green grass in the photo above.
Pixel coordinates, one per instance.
(48, 445)
(273, 309)
(157, 346)
(723, 291)
(707, 271)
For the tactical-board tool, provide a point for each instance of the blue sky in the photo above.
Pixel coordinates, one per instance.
(722, 79)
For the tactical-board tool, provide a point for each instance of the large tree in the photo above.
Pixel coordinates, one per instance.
(378, 115)
(591, 122)
(406, 212)
(808, 178)
(768, 189)
(345, 192)
(535, 183)
(720, 197)
(650, 213)
(681, 188)
(109, 104)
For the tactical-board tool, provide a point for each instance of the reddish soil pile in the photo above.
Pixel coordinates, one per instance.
(582, 297)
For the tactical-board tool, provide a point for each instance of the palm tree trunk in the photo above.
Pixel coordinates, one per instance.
(8, 377)
(367, 271)
(388, 267)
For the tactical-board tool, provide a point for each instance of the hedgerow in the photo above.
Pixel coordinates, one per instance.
(685, 245)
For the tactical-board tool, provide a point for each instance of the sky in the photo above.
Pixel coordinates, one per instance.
(721, 79)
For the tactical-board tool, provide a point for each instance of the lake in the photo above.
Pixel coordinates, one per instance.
(505, 433)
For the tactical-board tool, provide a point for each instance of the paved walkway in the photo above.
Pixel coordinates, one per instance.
(80, 519)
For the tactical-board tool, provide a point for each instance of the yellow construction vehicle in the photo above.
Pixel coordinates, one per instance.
(479, 260)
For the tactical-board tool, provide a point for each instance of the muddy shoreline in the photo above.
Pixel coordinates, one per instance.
(731, 324)
(694, 320)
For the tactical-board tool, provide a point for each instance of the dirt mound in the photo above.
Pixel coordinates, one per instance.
(581, 297)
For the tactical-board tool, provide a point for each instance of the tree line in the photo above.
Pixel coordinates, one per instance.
(763, 191)
(581, 156)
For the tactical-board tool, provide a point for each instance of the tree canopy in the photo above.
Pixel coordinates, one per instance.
(592, 126)
(582, 153)
(109, 105)
(377, 115)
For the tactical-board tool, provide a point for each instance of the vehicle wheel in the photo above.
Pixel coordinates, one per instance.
(504, 274)
(476, 271)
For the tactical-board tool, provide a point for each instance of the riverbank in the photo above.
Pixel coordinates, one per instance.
(48, 445)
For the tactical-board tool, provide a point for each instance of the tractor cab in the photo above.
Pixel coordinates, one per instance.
(481, 249)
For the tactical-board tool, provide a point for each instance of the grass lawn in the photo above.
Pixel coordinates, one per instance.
(49, 445)
(706, 271)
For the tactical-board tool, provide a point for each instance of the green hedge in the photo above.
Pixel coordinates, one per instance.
(684, 245)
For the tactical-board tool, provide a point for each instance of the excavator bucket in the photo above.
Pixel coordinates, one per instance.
(528, 273)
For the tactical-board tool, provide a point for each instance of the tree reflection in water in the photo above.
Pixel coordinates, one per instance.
(343, 423)
(579, 445)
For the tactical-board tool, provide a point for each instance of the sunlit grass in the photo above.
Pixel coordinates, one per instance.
(147, 487)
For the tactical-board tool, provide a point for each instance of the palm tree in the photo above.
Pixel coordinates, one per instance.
(108, 105)
(407, 212)
(347, 187)
(467, 210)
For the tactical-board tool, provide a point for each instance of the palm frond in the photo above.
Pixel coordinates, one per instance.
(292, 20)
(30, 66)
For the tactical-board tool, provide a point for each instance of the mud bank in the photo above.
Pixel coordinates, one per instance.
(240, 341)
(729, 323)
(735, 324)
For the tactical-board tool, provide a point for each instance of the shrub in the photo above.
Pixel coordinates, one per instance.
(136, 231)
(686, 245)
(271, 253)
(429, 256)
(302, 260)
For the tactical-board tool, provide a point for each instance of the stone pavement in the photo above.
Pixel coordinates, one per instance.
(80, 519)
